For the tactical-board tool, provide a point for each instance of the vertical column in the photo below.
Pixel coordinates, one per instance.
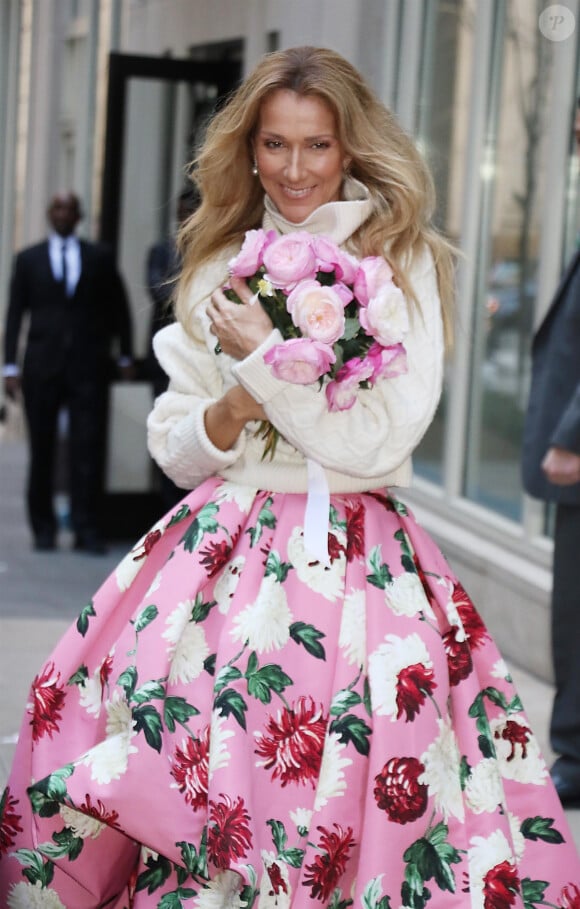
(256, 44)
(9, 64)
(460, 378)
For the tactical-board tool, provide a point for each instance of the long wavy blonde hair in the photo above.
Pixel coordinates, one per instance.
(382, 156)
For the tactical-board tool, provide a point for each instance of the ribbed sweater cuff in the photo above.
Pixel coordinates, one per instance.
(256, 376)
(198, 447)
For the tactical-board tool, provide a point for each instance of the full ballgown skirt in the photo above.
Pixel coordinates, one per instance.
(231, 724)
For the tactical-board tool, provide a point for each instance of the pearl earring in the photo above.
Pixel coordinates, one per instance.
(255, 170)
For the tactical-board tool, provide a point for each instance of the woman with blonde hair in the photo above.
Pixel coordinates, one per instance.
(283, 696)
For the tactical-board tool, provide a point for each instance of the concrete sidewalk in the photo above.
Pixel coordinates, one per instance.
(41, 594)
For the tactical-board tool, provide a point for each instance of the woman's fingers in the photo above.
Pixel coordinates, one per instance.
(241, 288)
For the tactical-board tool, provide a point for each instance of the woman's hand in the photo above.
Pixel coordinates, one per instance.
(239, 329)
(225, 420)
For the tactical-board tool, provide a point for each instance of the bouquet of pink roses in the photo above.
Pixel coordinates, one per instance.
(342, 319)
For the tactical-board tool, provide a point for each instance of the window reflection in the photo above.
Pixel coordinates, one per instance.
(442, 136)
(507, 285)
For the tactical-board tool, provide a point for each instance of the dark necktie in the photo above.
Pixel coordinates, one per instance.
(64, 270)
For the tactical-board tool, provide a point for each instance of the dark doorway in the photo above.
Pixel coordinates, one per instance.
(157, 108)
(216, 79)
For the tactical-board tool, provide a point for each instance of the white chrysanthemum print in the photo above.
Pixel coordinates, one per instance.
(265, 623)
(90, 695)
(302, 818)
(243, 496)
(129, 567)
(189, 648)
(500, 670)
(483, 790)
(223, 892)
(226, 584)
(451, 610)
(331, 781)
(352, 638)
(219, 756)
(517, 750)
(109, 759)
(119, 717)
(82, 825)
(518, 839)
(33, 896)
(155, 584)
(405, 596)
(275, 891)
(485, 853)
(442, 768)
(328, 580)
(385, 664)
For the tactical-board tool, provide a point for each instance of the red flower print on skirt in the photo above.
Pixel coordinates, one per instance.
(190, 769)
(459, 660)
(500, 886)
(570, 897)
(398, 791)
(516, 734)
(325, 871)
(355, 532)
(228, 835)
(414, 684)
(217, 554)
(473, 625)
(294, 744)
(99, 811)
(48, 698)
(9, 821)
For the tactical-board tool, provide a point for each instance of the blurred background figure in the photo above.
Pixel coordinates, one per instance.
(551, 471)
(162, 271)
(73, 299)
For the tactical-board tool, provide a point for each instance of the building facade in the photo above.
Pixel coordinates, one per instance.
(109, 97)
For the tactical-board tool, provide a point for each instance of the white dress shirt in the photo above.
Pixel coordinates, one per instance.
(72, 254)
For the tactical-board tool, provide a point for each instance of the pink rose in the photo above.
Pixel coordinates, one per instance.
(373, 271)
(318, 311)
(387, 362)
(300, 360)
(342, 392)
(356, 370)
(289, 259)
(348, 267)
(327, 254)
(249, 259)
(386, 317)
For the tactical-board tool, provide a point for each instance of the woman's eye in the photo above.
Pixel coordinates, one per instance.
(321, 145)
(273, 143)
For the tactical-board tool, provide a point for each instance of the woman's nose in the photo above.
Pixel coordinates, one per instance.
(294, 164)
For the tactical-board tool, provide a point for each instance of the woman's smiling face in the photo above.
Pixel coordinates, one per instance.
(300, 159)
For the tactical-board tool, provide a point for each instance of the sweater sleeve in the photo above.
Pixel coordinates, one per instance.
(176, 434)
(386, 423)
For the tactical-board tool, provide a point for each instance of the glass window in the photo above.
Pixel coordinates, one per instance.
(442, 136)
(512, 195)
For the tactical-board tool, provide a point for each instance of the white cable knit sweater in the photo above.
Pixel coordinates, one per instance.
(366, 447)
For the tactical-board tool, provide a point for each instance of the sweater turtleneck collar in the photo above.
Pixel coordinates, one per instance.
(337, 220)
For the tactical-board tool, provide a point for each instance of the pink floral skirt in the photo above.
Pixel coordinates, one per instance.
(230, 724)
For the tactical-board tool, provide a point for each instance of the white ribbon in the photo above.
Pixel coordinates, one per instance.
(317, 513)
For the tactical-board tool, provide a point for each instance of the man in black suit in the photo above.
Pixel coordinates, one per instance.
(75, 304)
(551, 471)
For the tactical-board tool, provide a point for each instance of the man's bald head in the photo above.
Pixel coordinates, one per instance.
(64, 213)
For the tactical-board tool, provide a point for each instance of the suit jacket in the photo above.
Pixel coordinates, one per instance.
(553, 415)
(162, 271)
(75, 333)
